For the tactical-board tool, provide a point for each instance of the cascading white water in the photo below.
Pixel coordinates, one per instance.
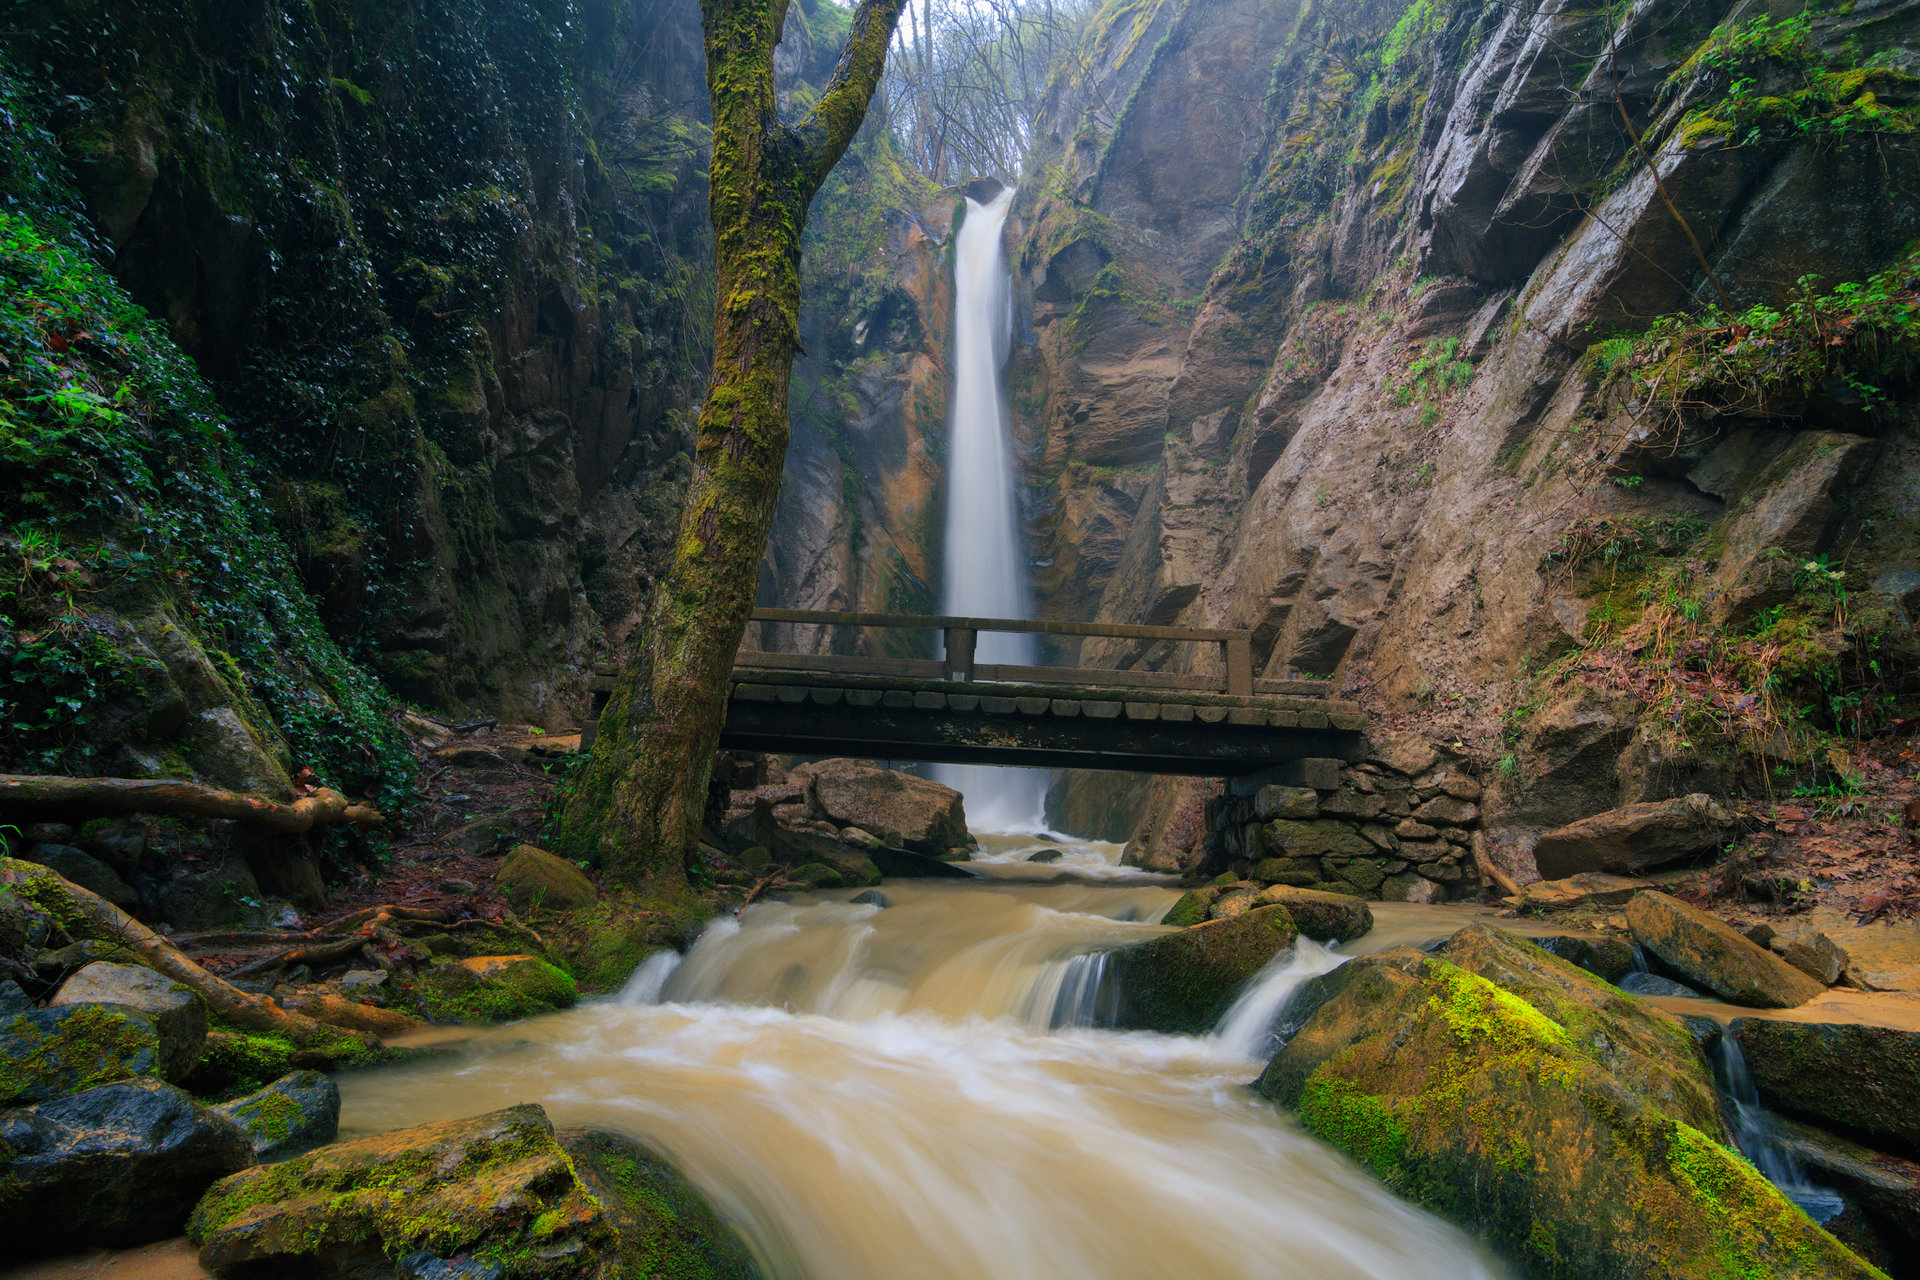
(986, 566)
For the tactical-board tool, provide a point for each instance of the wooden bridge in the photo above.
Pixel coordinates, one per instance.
(957, 711)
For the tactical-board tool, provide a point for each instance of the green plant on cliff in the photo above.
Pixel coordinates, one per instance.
(136, 491)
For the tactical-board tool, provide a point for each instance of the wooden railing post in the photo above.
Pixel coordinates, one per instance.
(960, 645)
(1239, 653)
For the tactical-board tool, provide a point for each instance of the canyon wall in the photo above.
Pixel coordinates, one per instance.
(1345, 327)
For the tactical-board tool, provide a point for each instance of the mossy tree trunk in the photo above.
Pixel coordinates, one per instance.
(637, 809)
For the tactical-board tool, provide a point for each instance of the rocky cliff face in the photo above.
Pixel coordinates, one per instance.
(1346, 327)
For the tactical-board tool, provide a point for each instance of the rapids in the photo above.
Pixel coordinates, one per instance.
(881, 1092)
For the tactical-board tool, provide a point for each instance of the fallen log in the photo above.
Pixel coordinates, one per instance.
(84, 914)
(33, 796)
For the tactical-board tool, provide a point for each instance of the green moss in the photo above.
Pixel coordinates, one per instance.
(1338, 1112)
(451, 991)
(49, 1052)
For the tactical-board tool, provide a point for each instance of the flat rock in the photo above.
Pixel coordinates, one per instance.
(1858, 1079)
(1182, 982)
(1595, 888)
(534, 879)
(1324, 917)
(1715, 955)
(176, 1013)
(1635, 838)
(490, 989)
(45, 1053)
(113, 1166)
(295, 1113)
(1526, 1101)
(495, 1186)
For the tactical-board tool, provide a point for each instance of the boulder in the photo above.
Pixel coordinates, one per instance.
(1045, 855)
(175, 1012)
(1636, 838)
(1409, 887)
(500, 1186)
(14, 999)
(1509, 1092)
(295, 1113)
(45, 1053)
(86, 871)
(1180, 983)
(1324, 917)
(1714, 955)
(1191, 909)
(1855, 1079)
(1405, 752)
(1275, 801)
(488, 989)
(1286, 838)
(1236, 901)
(533, 878)
(1812, 953)
(113, 1166)
(1604, 957)
(899, 808)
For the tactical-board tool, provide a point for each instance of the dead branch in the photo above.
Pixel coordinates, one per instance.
(1488, 872)
(93, 916)
(34, 796)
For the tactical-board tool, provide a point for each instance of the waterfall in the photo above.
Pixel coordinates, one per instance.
(986, 565)
(1756, 1136)
(1247, 1029)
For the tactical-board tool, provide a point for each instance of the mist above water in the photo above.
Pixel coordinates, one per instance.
(985, 561)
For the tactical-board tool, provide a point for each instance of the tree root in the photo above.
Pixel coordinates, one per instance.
(34, 796)
(86, 915)
(1488, 872)
(372, 924)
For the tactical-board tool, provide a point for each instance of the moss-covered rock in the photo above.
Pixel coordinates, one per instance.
(1192, 907)
(1324, 917)
(235, 1062)
(1714, 955)
(487, 989)
(497, 1187)
(293, 1114)
(1858, 1079)
(1182, 982)
(1574, 1130)
(178, 1016)
(45, 1053)
(535, 880)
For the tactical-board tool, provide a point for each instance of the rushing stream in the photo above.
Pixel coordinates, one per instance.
(876, 1092)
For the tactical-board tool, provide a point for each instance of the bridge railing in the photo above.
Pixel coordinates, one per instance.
(962, 635)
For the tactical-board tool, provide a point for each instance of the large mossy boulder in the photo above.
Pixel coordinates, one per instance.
(1859, 1080)
(1568, 1123)
(1713, 955)
(533, 879)
(177, 1014)
(488, 989)
(498, 1188)
(1324, 917)
(45, 1053)
(1180, 983)
(114, 1166)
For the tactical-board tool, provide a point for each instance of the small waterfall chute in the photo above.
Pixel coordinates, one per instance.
(1246, 1030)
(1758, 1137)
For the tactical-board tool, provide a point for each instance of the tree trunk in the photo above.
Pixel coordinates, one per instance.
(637, 809)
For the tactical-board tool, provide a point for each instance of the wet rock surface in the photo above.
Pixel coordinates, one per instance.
(295, 1113)
(1636, 838)
(490, 989)
(45, 1053)
(116, 1165)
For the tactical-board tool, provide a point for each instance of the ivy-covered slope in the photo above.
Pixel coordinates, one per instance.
(151, 622)
(443, 264)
